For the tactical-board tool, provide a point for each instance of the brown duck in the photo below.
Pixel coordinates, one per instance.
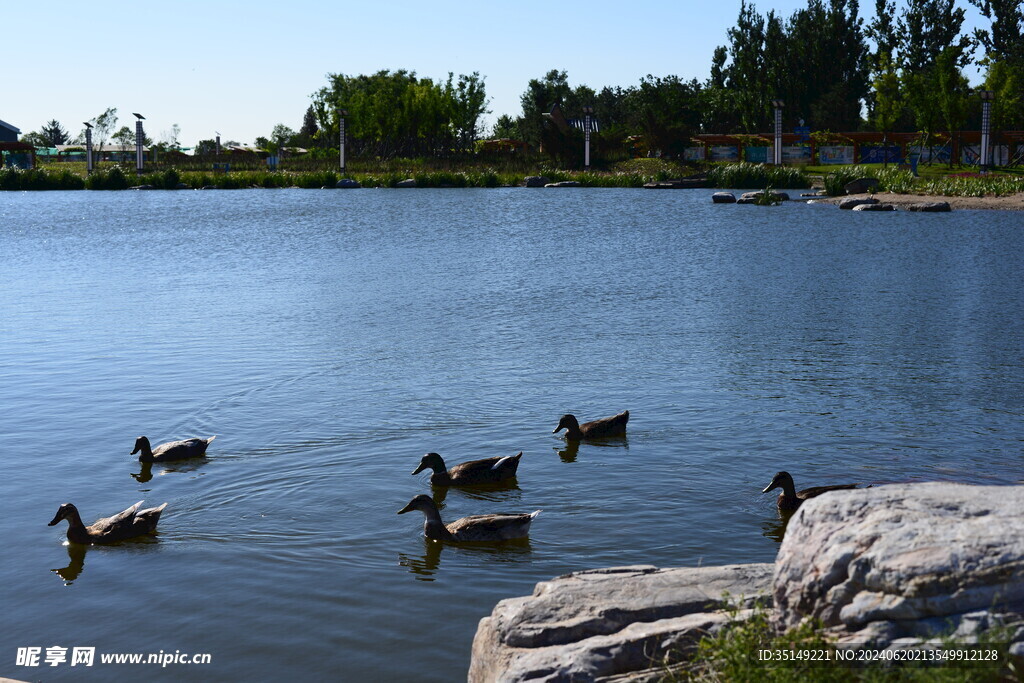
(473, 528)
(606, 426)
(790, 498)
(127, 524)
(172, 450)
(486, 471)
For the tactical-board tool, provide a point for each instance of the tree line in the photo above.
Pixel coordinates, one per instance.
(901, 70)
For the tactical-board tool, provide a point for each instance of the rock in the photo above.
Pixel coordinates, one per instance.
(874, 207)
(861, 185)
(723, 198)
(607, 622)
(141, 187)
(777, 196)
(904, 561)
(851, 202)
(208, 187)
(746, 200)
(408, 182)
(564, 183)
(348, 184)
(182, 186)
(929, 206)
(536, 181)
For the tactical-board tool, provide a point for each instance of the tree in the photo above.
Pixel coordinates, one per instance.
(169, 138)
(505, 127)
(952, 90)
(888, 100)
(205, 148)
(1004, 41)
(926, 28)
(102, 126)
(537, 100)
(468, 103)
(53, 133)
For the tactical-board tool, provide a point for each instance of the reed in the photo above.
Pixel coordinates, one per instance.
(756, 176)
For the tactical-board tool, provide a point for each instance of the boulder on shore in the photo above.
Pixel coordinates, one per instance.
(851, 202)
(408, 182)
(723, 198)
(875, 207)
(861, 185)
(347, 184)
(592, 624)
(931, 207)
(536, 181)
(905, 561)
(564, 183)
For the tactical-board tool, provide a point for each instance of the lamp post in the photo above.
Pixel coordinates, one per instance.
(342, 113)
(88, 148)
(139, 137)
(987, 96)
(587, 112)
(218, 144)
(778, 104)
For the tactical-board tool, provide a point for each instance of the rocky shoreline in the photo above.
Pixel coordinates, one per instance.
(886, 567)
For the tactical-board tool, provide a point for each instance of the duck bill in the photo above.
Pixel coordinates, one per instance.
(419, 469)
(407, 508)
(771, 486)
(135, 450)
(56, 519)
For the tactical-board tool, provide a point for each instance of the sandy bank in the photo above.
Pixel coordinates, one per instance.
(1009, 203)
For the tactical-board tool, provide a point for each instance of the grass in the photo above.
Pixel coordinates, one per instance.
(732, 655)
(756, 176)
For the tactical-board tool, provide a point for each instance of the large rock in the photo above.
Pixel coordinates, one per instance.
(605, 622)
(861, 185)
(851, 202)
(347, 184)
(929, 206)
(536, 181)
(723, 198)
(905, 560)
(875, 207)
(408, 182)
(564, 183)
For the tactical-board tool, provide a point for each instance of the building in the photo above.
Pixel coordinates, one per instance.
(8, 133)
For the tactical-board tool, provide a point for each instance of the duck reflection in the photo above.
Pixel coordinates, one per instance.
(775, 529)
(425, 567)
(569, 451)
(145, 472)
(571, 448)
(76, 563)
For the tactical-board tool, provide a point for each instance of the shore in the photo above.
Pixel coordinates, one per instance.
(1008, 203)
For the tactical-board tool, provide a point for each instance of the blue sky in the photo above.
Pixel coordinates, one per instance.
(241, 67)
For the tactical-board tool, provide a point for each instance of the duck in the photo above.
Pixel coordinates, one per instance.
(472, 528)
(791, 499)
(172, 450)
(486, 471)
(126, 524)
(606, 426)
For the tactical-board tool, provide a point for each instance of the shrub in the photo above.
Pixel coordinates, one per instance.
(756, 176)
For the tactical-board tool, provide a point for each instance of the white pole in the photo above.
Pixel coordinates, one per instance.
(88, 149)
(986, 113)
(586, 152)
(139, 136)
(341, 142)
(778, 136)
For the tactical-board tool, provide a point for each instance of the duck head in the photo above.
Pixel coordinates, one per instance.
(567, 422)
(430, 461)
(63, 512)
(141, 444)
(781, 479)
(423, 503)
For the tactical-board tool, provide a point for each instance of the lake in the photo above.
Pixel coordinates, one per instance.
(330, 339)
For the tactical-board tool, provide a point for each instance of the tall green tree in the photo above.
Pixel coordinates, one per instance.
(926, 28)
(1004, 39)
(53, 133)
(952, 90)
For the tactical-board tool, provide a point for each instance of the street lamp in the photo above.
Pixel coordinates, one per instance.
(987, 96)
(139, 137)
(218, 143)
(587, 112)
(342, 113)
(778, 104)
(88, 148)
